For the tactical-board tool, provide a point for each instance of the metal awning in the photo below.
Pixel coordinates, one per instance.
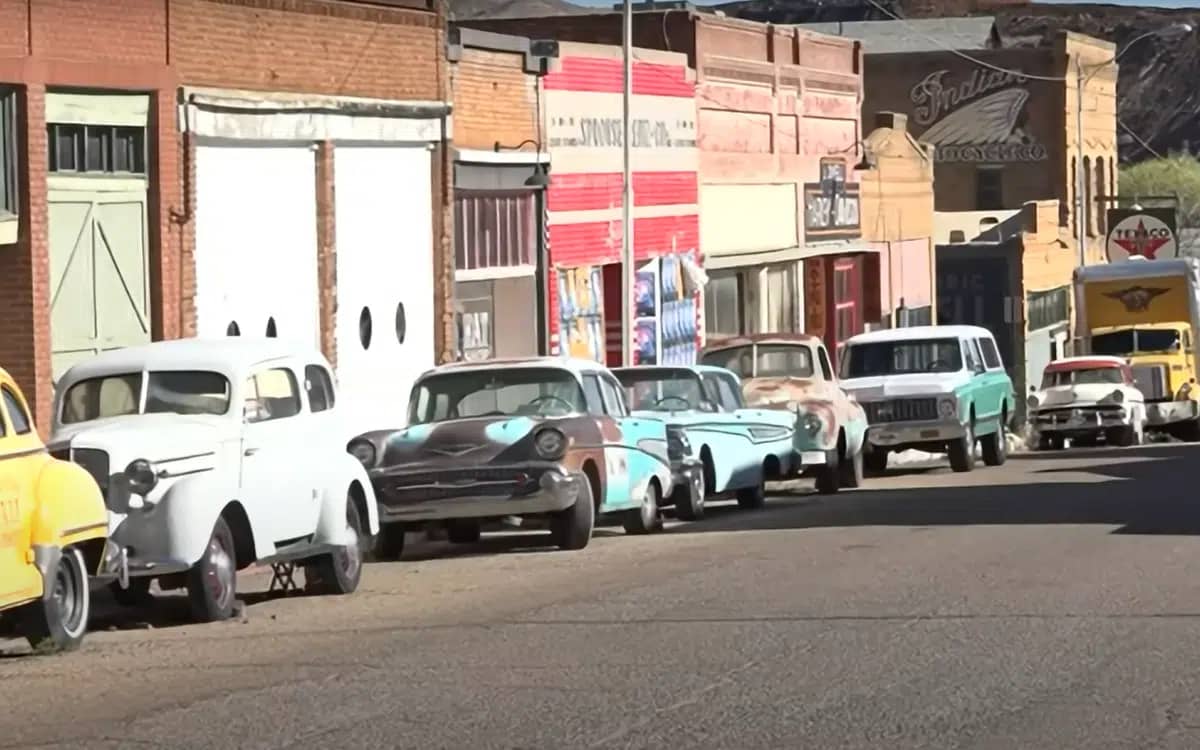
(785, 255)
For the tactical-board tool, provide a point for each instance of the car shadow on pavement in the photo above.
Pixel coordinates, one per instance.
(1152, 494)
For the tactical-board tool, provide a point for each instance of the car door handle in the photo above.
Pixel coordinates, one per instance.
(250, 451)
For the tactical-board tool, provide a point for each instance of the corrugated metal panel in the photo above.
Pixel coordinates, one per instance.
(587, 191)
(608, 75)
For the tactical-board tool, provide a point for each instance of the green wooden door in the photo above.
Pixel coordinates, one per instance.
(99, 281)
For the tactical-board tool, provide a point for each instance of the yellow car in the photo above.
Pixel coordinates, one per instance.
(53, 532)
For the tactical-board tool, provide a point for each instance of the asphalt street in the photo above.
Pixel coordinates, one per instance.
(1050, 603)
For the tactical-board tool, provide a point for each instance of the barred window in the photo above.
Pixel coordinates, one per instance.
(494, 229)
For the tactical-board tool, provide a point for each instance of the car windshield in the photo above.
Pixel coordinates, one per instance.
(901, 358)
(166, 392)
(1129, 341)
(1090, 376)
(764, 360)
(662, 390)
(511, 391)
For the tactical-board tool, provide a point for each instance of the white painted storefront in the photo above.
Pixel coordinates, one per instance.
(385, 315)
(257, 244)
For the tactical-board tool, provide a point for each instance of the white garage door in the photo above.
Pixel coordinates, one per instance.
(256, 243)
(385, 319)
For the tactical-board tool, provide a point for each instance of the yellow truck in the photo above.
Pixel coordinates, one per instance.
(1146, 311)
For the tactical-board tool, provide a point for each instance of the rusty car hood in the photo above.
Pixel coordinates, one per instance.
(778, 392)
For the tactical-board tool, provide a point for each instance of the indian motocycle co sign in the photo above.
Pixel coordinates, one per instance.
(1148, 232)
(982, 118)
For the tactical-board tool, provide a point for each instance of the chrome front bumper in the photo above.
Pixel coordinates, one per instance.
(556, 492)
(1081, 420)
(895, 434)
(1167, 412)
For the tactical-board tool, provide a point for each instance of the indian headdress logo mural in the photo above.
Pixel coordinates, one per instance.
(980, 119)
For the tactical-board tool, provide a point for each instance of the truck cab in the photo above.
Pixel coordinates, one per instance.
(1145, 312)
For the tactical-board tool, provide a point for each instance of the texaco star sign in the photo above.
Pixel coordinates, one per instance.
(1141, 234)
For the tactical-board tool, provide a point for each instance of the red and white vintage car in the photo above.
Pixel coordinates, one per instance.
(1085, 398)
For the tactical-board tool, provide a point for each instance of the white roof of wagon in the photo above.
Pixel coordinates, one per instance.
(920, 333)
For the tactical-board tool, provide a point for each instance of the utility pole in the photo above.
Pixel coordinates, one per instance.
(627, 271)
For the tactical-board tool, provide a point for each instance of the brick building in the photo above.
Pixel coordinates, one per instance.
(500, 176)
(171, 165)
(778, 133)
(1004, 130)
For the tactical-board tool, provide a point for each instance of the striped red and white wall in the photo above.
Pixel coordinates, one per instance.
(583, 111)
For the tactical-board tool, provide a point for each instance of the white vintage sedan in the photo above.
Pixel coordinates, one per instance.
(1085, 398)
(214, 454)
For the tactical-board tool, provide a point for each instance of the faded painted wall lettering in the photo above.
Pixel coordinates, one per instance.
(610, 132)
(980, 119)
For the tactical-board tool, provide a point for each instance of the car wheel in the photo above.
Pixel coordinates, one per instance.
(752, 498)
(644, 519)
(462, 532)
(689, 499)
(137, 595)
(57, 621)
(212, 582)
(995, 446)
(389, 544)
(829, 476)
(875, 461)
(852, 471)
(571, 529)
(339, 572)
(962, 451)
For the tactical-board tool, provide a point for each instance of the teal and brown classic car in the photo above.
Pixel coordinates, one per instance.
(545, 440)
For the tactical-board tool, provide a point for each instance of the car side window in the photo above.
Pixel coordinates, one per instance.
(970, 355)
(270, 395)
(712, 391)
(991, 357)
(21, 423)
(592, 395)
(729, 394)
(614, 402)
(823, 357)
(319, 386)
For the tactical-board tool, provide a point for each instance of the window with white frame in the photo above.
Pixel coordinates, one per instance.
(8, 152)
(494, 229)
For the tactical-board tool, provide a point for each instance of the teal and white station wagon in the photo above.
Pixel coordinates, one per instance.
(738, 449)
(932, 388)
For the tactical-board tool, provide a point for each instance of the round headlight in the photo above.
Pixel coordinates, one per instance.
(364, 451)
(947, 407)
(1118, 396)
(141, 476)
(550, 443)
(1032, 401)
(811, 424)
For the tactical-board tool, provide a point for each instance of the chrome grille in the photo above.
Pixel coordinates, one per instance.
(483, 482)
(901, 410)
(1151, 380)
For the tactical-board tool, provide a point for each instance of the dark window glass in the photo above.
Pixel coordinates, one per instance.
(989, 188)
(319, 386)
(271, 394)
(591, 393)
(8, 151)
(97, 150)
(129, 150)
(21, 422)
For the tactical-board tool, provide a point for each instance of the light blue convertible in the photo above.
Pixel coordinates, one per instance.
(736, 449)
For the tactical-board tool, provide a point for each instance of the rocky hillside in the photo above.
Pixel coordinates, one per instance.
(1159, 84)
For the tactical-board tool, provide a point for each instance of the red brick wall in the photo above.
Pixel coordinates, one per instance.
(319, 46)
(307, 45)
(494, 99)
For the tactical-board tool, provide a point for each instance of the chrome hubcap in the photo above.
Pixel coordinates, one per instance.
(66, 598)
(349, 558)
(220, 573)
(650, 507)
